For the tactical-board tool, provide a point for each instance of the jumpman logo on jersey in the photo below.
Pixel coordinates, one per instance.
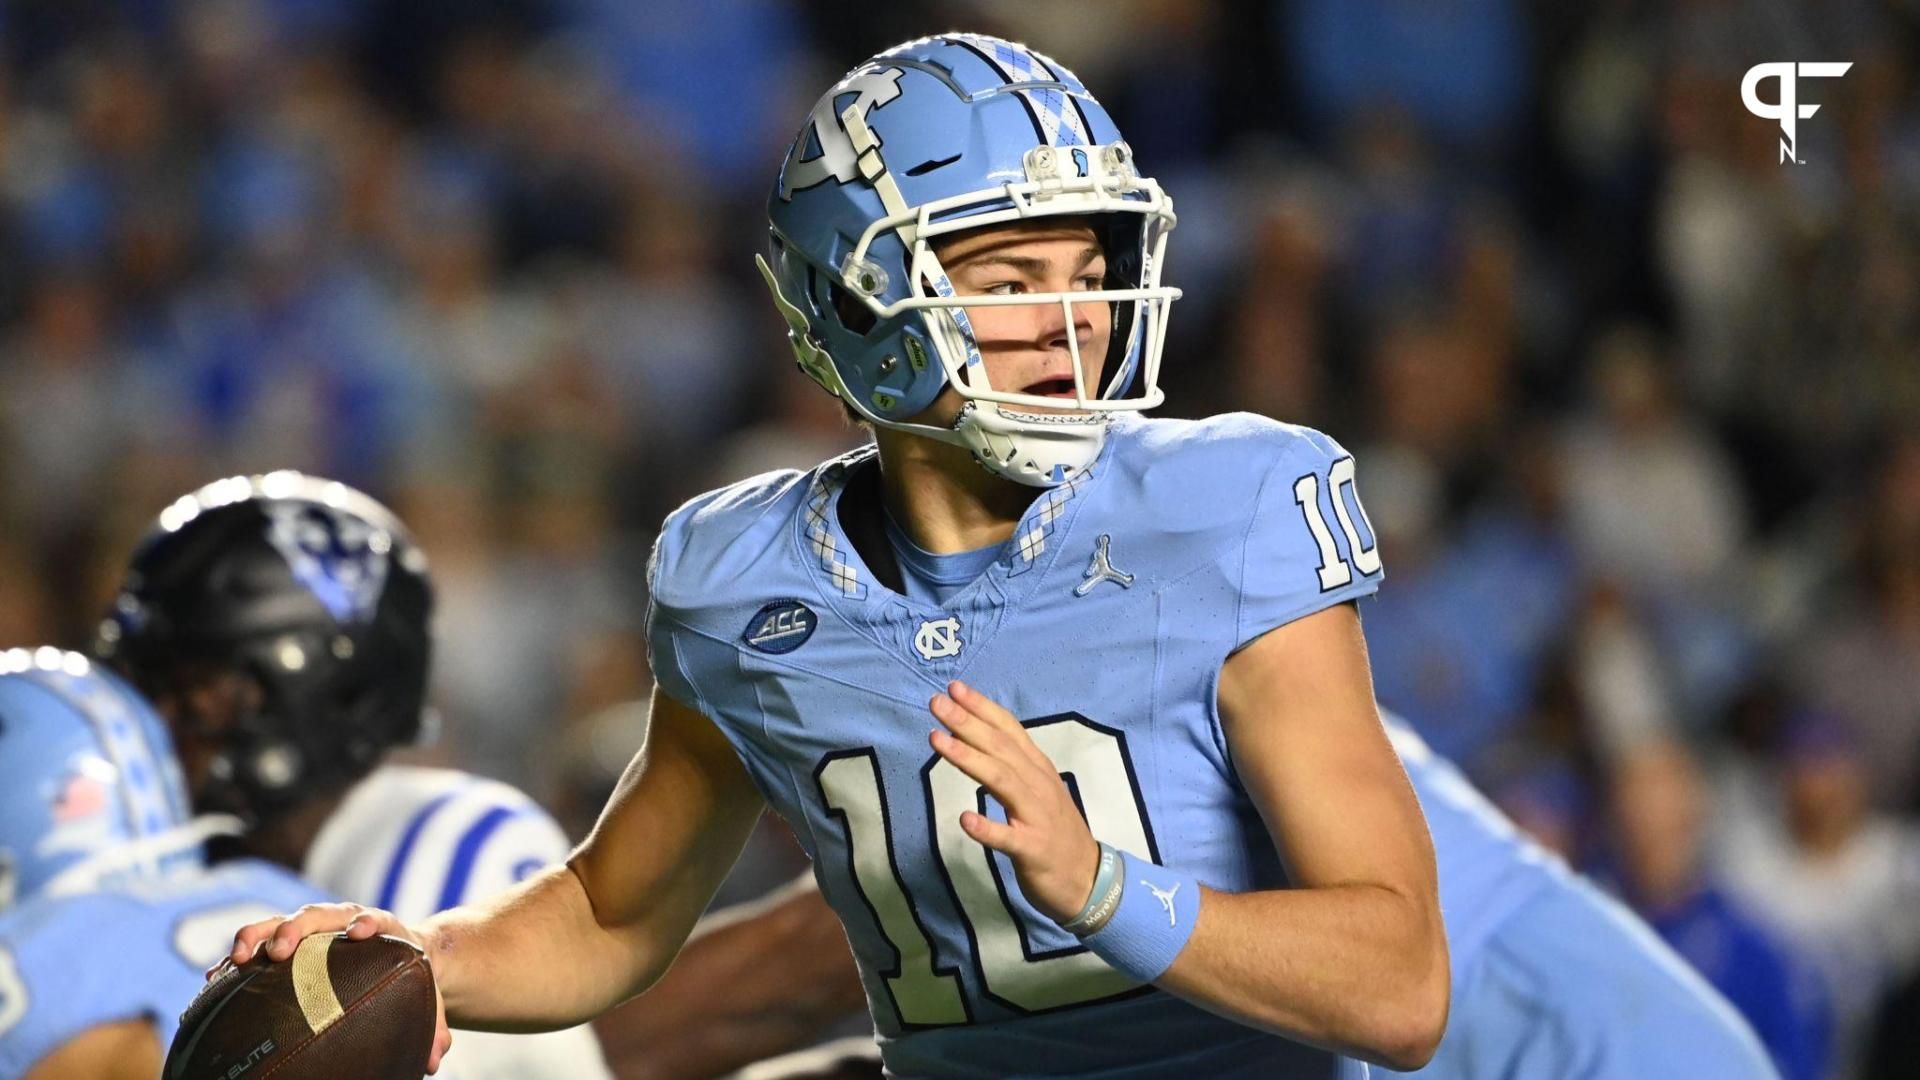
(1102, 569)
(1164, 897)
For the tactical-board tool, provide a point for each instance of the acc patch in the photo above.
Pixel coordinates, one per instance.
(780, 627)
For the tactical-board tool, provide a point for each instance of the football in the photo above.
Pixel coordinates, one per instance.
(336, 1008)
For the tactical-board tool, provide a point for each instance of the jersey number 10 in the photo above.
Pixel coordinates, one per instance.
(1335, 571)
(1012, 971)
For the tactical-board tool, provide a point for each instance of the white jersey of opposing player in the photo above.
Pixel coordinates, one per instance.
(416, 841)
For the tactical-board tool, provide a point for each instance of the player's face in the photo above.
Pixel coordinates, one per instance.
(202, 704)
(1025, 346)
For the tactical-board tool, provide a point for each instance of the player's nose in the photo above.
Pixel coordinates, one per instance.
(1053, 325)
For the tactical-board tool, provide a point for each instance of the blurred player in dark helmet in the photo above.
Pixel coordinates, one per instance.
(286, 638)
(282, 625)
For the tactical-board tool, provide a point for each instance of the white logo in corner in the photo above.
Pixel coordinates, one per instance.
(938, 638)
(1788, 110)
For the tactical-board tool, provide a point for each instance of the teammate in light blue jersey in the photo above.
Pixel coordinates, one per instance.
(1550, 976)
(108, 916)
(1070, 707)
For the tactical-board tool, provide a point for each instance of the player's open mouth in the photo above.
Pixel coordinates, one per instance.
(1060, 388)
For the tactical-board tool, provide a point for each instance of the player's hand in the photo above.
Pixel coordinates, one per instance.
(1054, 854)
(278, 936)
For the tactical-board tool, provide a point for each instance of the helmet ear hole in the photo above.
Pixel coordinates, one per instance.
(854, 315)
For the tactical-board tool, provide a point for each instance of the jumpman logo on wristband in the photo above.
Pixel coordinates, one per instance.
(1164, 897)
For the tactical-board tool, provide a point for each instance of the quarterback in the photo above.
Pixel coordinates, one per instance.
(1070, 707)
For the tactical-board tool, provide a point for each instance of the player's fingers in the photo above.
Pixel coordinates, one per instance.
(995, 716)
(442, 1035)
(976, 732)
(370, 922)
(248, 939)
(983, 706)
(983, 768)
(311, 919)
(999, 837)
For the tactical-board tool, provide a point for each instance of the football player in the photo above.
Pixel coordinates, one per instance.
(1071, 708)
(281, 625)
(108, 912)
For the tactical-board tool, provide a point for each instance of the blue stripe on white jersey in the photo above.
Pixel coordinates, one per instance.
(460, 874)
(416, 841)
(397, 862)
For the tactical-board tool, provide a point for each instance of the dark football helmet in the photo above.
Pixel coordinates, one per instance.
(282, 624)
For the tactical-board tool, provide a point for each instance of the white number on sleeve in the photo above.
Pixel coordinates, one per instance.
(1334, 570)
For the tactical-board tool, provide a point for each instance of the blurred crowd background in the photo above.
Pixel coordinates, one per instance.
(1636, 404)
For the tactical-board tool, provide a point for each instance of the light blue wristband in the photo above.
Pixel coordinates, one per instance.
(1155, 917)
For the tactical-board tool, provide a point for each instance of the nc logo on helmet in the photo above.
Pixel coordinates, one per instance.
(836, 159)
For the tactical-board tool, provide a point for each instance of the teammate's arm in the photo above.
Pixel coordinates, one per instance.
(572, 942)
(128, 1050)
(756, 980)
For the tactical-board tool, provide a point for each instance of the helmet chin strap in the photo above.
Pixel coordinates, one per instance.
(1037, 449)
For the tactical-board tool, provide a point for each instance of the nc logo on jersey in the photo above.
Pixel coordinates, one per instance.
(780, 627)
(835, 159)
(938, 639)
(340, 559)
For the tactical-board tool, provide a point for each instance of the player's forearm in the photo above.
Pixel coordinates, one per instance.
(754, 982)
(535, 958)
(1361, 969)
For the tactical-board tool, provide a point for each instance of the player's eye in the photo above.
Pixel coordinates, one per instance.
(1092, 282)
(1006, 288)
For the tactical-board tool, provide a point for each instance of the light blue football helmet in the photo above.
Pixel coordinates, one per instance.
(90, 791)
(930, 138)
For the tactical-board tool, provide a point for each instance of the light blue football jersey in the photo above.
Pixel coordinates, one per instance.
(138, 950)
(1488, 867)
(1104, 625)
(1550, 977)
